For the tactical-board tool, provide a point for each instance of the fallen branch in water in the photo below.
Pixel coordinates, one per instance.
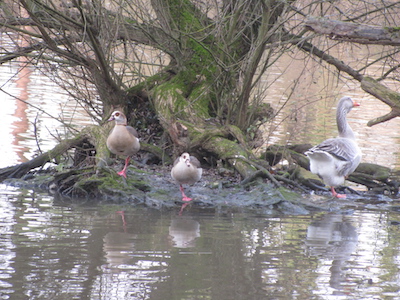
(22, 169)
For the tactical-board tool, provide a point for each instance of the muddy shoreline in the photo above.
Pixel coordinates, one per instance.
(152, 186)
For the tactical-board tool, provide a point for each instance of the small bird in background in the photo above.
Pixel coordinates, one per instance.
(122, 140)
(336, 158)
(186, 170)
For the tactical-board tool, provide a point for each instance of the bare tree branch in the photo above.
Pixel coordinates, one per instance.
(355, 33)
(362, 34)
(384, 94)
(340, 65)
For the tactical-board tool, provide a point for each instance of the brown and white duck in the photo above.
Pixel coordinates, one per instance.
(336, 158)
(186, 170)
(122, 140)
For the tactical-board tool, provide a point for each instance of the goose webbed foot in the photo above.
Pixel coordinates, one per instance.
(336, 195)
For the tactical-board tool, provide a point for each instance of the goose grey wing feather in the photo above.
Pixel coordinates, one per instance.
(345, 150)
(341, 148)
(132, 131)
(195, 162)
(350, 166)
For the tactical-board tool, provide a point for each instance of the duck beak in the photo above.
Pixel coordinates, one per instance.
(187, 162)
(356, 103)
(111, 119)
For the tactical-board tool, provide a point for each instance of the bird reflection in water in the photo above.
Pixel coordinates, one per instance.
(118, 245)
(183, 208)
(118, 248)
(122, 214)
(184, 232)
(335, 238)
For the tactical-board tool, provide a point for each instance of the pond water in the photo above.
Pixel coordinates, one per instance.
(55, 249)
(309, 115)
(61, 249)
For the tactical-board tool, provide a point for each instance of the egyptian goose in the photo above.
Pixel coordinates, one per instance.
(123, 139)
(186, 170)
(336, 158)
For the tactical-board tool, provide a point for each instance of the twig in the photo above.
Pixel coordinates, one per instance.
(259, 167)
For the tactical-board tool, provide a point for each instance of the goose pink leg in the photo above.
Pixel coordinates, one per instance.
(184, 197)
(123, 171)
(336, 195)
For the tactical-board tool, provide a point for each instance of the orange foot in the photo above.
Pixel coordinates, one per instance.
(122, 173)
(335, 194)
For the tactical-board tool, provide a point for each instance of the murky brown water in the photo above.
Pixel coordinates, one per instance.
(50, 249)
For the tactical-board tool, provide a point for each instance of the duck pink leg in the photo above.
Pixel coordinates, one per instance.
(123, 171)
(184, 197)
(335, 194)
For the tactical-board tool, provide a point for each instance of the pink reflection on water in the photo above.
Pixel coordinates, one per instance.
(20, 125)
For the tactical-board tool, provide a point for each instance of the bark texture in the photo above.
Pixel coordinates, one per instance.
(355, 33)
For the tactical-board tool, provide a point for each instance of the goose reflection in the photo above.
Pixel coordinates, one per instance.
(118, 246)
(184, 232)
(333, 237)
